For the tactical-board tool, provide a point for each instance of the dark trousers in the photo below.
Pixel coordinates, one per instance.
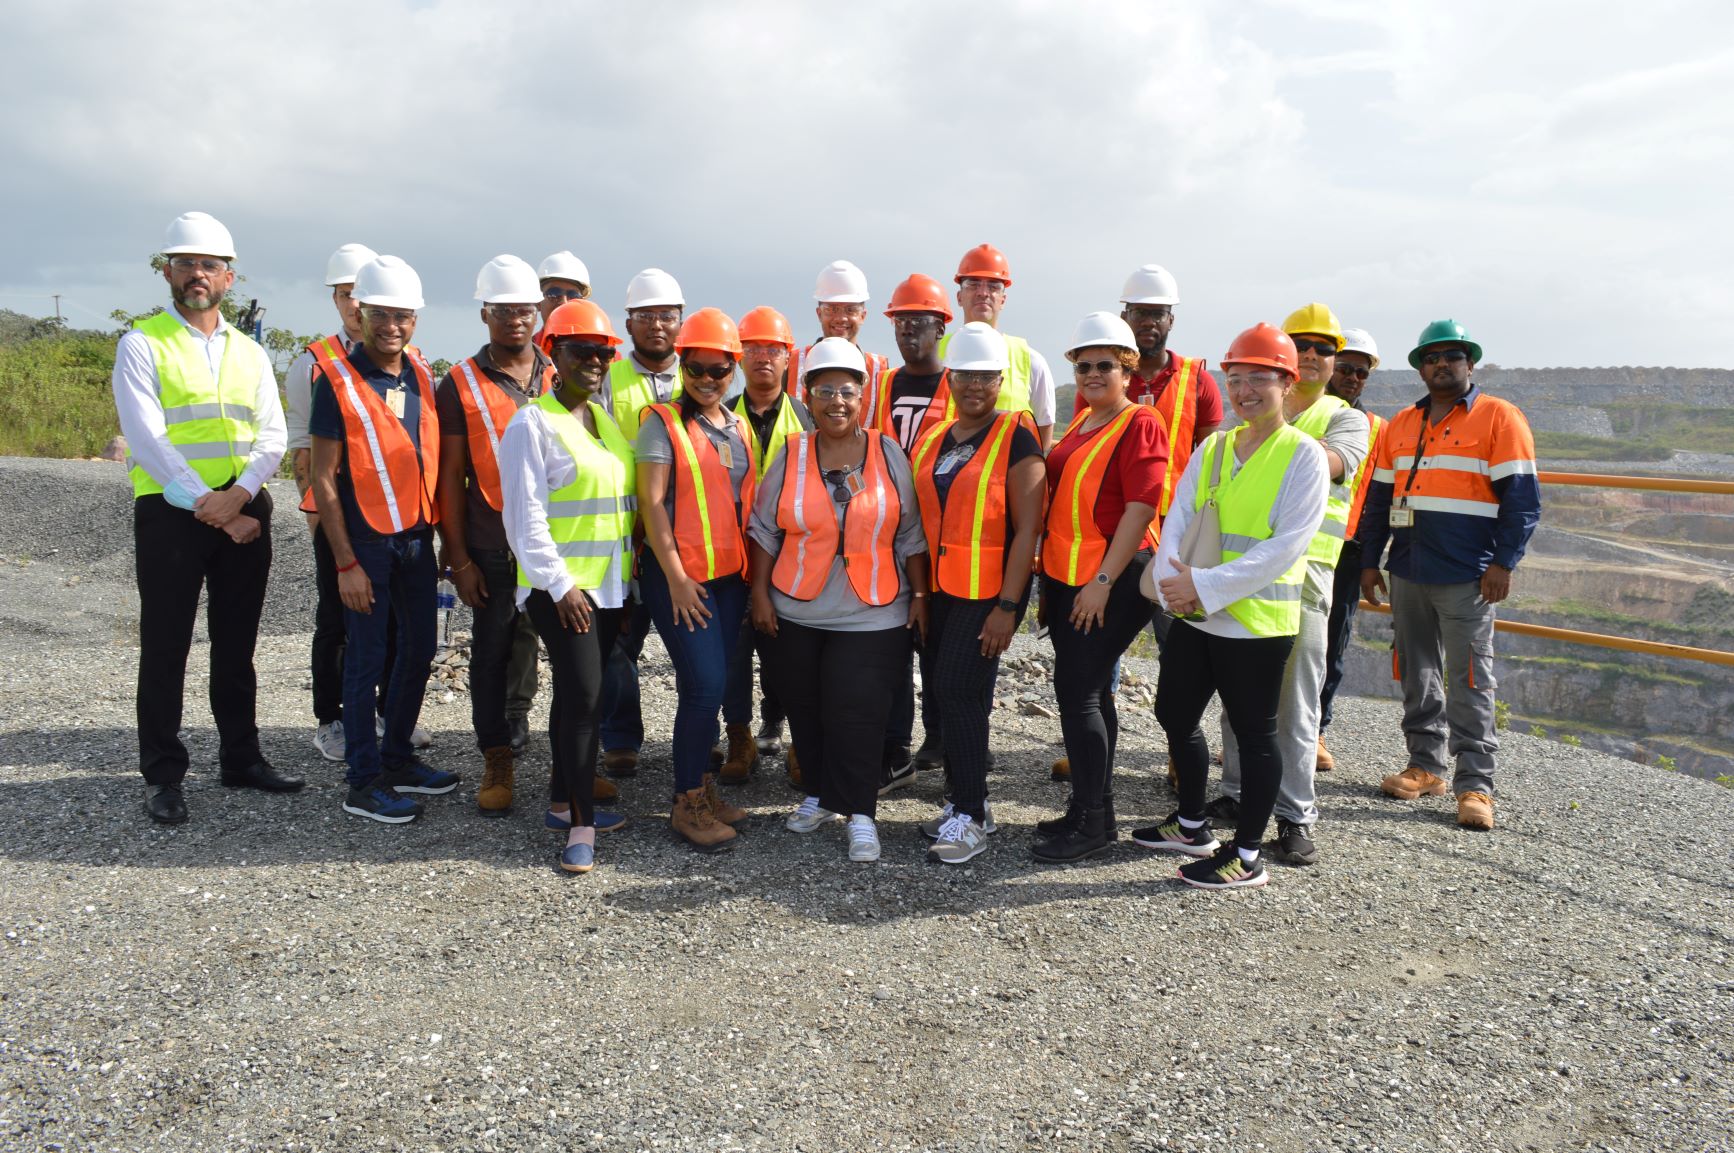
(494, 641)
(738, 697)
(838, 689)
(622, 715)
(329, 635)
(524, 670)
(900, 729)
(1340, 631)
(701, 659)
(1248, 675)
(1084, 670)
(402, 570)
(576, 660)
(959, 682)
(176, 556)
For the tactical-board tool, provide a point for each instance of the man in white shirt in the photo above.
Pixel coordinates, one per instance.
(983, 276)
(197, 402)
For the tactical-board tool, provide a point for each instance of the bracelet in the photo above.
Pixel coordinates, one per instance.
(918, 596)
(469, 564)
(350, 565)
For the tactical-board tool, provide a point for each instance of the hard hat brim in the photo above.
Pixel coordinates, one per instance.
(195, 250)
(1170, 301)
(1262, 362)
(511, 298)
(413, 303)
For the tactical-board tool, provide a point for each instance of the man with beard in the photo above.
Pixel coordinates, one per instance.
(197, 402)
(841, 296)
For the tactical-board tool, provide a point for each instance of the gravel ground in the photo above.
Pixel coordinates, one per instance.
(276, 975)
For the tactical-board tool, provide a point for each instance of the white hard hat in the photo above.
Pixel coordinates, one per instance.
(976, 347)
(831, 353)
(1361, 341)
(342, 266)
(388, 282)
(563, 266)
(507, 280)
(653, 287)
(1151, 284)
(841, 283)
(1102, 329)
(200, 234)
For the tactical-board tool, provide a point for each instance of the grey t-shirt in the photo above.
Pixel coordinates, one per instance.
(837, 607)
(654, 447)
(1346, 435)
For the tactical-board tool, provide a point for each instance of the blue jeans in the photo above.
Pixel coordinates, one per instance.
(622, 716)
(701, 660)
(404, 576)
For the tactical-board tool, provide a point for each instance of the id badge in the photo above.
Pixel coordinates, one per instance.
(1402, 517)
(394, 400)
(726, 453)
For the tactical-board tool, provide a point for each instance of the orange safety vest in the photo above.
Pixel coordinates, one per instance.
(708, 533)
(1073, 548)
(1178, 407)
(488, 409)
(1365, 475)
(876, 365)
(395, 485)
(938, 409)
(807, 516)
(967, 541)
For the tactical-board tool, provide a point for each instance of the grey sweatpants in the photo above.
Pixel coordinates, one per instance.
(1440, 630)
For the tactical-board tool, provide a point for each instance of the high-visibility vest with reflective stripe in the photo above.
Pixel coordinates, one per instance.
(1178, 408)
(1327, 543)
(876, 365)
(395, 485)
(939, 409)
(1073, 547)
(709, 533)
(488, 409)
(788, 424)
(631, 392)
(808, 517)
(1364, 474)
(967, 540)
(1014, 389)
(1243, 505)
(591, 519)
(210, 423)
(1460, 459)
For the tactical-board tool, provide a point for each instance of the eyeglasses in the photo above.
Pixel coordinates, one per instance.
(1353, 370)
(512, 311)
(387, 318)
(842, 392)
(555, 292)
(963, 380)
(714, 371)
(664, 317)
(1146, 314)
(842, 308)
(202, 264)
(1448, 355)
(1322, 347)
(976, 284)
(1086, 367)
(1253, 379)
(762, 349)
(915, 320)
(582, 351)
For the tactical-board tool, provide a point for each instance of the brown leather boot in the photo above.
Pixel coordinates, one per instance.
(1412, 782)
(794, 766)
(1475, 810)
(727, 813)
(695, 821)
(1326, 762)
(1061, 770)
(494, 798)
(743, 755)
(604, 790)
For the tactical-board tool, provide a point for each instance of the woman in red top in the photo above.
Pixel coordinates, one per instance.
(1104, 485)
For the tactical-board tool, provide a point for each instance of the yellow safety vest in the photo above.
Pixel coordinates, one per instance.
(788, 424)
(1243, 505)
(1014, 386)
(632, 392)
(1327, 543)
(211, 423)
(591, 519)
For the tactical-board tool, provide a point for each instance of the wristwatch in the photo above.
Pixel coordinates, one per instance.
(1103, 578)
(1008, 606)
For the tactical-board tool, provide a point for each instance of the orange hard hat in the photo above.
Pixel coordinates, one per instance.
(709, 328)
(767, 326)
(576, 318)
(984, 262)
(1267, 345)
(919, 293)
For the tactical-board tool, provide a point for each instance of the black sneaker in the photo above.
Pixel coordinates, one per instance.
(1224, 870)
(378, 802)
(929, 756)
(896, 776)
(417, 777)
(520, 728)
(1173, 837)
(1225, 809)
(1293, 844)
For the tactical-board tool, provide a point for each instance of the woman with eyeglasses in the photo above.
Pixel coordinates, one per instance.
(1104, 486)
(979, 479)
(697, 470)
(567, 482)
(1268, 483)
(840, 579)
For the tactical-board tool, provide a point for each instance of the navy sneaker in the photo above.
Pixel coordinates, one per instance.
(376, 802)
(416, 777)
(1173, 837)
(608, 822)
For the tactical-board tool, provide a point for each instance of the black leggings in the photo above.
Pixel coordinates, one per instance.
(1084, 669)
(837, 687)
(959, 681)
(1248, 674)
(574, 731)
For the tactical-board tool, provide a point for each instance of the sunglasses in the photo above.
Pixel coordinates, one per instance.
(582, 352)
(1102, 367)
(1322, 347)
(1448, 355)
(715, 371)
(835, 477)
(1352, 370)
(555, 292)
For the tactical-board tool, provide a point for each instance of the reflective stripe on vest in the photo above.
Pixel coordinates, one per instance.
(876, 365)
(1448, 478)
(1327, 543)
(788, 424)
(590, 520)
(1178, 405)
(940, 408)
(709, 533)
(808, 517)
(1014, 389)
(1364, 474)
(204, 418)
(1243, 504)
(1073, 548)
(488, 409)
(967, 540)
(386, 471)
(630, 392)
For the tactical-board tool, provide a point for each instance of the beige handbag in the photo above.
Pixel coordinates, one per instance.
(1201, 546)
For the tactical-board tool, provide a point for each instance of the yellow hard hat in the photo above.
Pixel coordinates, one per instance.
(1314, 319)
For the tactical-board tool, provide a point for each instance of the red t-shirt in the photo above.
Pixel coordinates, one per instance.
(1206, 396)
(1134, 471)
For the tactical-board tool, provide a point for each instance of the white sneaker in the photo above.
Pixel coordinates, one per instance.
(809, 817)
(960, 839)
(930, 828)
(419, 738)
(328, 739)
(863, 838)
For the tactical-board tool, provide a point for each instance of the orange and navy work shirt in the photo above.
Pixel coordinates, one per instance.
(1470, 482)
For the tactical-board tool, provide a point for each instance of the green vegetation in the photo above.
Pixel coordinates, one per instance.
(1608, 669)
(1572, 740)
(54, 392)
(1501, 714)
(1538, 731)
(1667, 764)
(1571, 446)
(1645, 431)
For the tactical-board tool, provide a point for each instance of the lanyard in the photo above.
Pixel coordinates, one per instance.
(1420, 448)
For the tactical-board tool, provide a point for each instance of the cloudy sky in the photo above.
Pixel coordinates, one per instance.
(1555, 175)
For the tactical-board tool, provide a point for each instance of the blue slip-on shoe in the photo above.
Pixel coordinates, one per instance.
(416, 777)
(553, 820)
(579, 858)
(376, 802)
(607, 822)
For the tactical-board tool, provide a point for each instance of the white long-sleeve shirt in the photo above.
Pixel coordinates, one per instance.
(1296, 516)
(533, 464)
(138, 403)
(1041, 390)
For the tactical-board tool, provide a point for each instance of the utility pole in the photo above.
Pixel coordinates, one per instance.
(57, 308)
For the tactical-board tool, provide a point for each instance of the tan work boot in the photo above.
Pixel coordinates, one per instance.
(494, 798)
(1061, 770)
(794, 766)
(694, 820)
(1412, 782)
(1475, 810)
(743, 755)
(604, 789)
(620, 763)
(1326, 762)
(727, 813)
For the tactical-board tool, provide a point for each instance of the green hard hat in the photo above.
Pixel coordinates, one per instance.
(1443, 332)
